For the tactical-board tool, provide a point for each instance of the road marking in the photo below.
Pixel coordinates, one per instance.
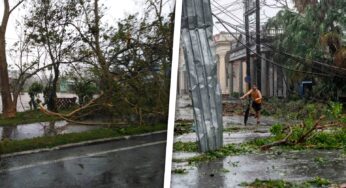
(79, 157)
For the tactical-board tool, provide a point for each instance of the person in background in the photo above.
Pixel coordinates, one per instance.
(256, 100)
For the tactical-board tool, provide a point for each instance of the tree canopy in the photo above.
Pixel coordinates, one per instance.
(316, 35)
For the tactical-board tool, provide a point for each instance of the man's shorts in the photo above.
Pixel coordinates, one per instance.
(256, 106)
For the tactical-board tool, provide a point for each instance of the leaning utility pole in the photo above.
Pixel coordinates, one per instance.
(200, 61)
(258, 40)
(247, 12)
(252, 7)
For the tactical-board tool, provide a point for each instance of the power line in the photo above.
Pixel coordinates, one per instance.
(226, 9)
(298, 58)
(268, 60)
(239, 22)
(231, 15)
(236, 5)
(302, 59)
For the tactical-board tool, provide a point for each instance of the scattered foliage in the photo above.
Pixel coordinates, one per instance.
(329, 131)
(185, 146)
(317, 182)
(179, 171)
(228, 150)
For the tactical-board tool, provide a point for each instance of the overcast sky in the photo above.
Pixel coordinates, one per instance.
(235, 11)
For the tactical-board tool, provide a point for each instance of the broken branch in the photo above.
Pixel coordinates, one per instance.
(283, 141)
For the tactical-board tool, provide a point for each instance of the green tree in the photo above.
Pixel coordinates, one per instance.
(47, 26)
(131, 60)
(315, 33)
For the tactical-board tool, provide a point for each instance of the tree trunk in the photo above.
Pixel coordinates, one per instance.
(52, 94)
(106, 77)
(8, 106)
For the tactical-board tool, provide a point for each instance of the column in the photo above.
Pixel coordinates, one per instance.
(252, 71)
(264, 75)
(230, 78)
(241, 77)
(275, 70)
(271, 80)
(222, 72)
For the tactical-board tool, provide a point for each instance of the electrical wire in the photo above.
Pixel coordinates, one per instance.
(268, 60)
(301, 59)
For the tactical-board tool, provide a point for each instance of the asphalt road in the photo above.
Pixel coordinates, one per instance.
(136, 162)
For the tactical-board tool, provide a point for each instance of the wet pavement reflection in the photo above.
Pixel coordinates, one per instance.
(32, 130)
(290, 166)
(134, 162)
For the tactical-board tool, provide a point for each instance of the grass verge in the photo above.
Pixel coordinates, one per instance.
(8, 146)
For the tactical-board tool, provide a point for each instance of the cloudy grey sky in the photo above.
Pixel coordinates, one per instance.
(233, 11)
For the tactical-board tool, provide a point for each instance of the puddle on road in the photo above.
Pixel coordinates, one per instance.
(25, 131)
(289, 166)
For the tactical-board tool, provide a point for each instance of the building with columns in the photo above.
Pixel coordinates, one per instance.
(231, 69)
(268, 77)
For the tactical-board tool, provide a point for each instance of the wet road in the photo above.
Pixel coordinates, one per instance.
(290, 166)
(136, 162)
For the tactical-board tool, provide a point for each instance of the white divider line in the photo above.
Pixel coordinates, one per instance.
(78, 157)
(173, 93)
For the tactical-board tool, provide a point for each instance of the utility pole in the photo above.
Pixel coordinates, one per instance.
(252, 7)
(247, 41)
(258, 40)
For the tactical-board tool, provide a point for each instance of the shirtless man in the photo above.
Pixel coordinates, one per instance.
(256, 100)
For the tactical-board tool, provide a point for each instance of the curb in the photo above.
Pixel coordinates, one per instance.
(84, 143)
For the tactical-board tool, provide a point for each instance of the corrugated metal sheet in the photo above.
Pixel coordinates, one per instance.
(200, 59)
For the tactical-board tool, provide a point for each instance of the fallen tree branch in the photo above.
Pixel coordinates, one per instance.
(83, 107)
(50, 113)
(306, 135)
(283, 141)
(67, 117)
(339, 125)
